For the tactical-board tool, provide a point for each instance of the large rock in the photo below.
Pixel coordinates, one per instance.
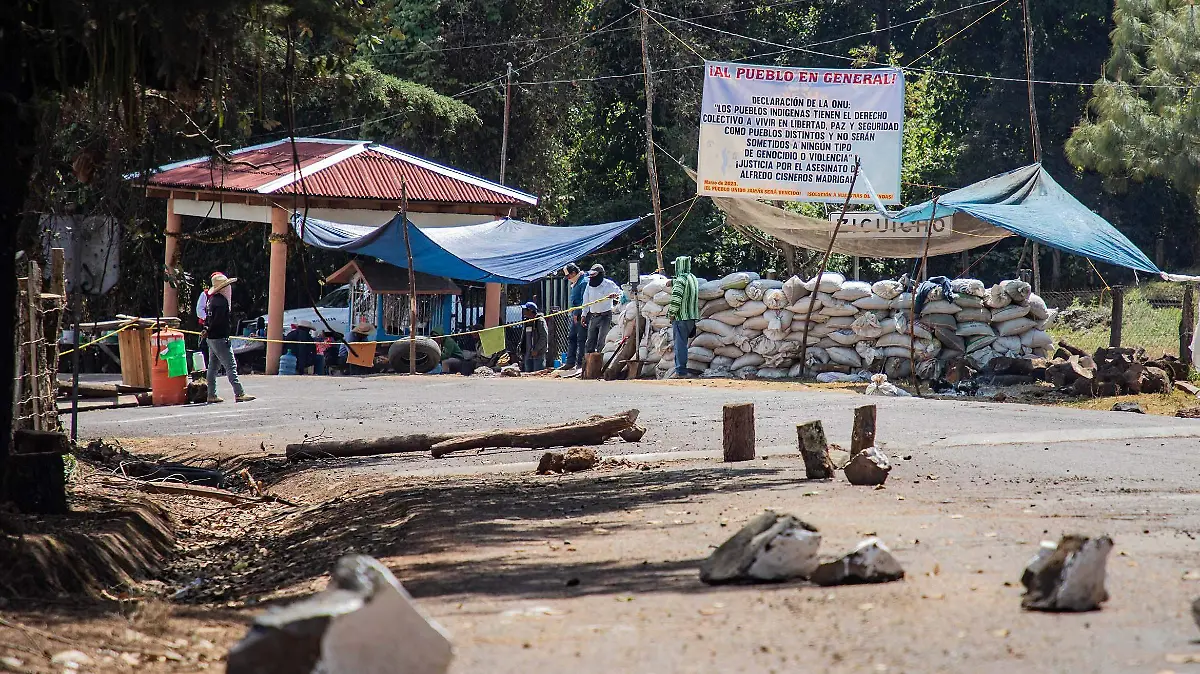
(1067, 576)
(770, 547)
(579, 458)
(363, 623)
(869, 467)
(870, 562)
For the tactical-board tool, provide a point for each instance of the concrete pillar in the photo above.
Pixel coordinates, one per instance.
(170, 305)
(276, 291)
(493, 309)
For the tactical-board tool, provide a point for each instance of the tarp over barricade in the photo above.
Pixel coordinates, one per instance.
(501, 251)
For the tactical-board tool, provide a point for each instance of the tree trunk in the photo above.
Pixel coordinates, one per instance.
(738, 435)
(417, 442)
(863, 435)
(815, 451)
(593, 431)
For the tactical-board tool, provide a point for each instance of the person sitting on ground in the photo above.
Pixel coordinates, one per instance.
(536, 337)
(598, 306)
(217, 327)
(358, 333)
(454, 361)
(326, 356)
(305, 352)
(683, 311)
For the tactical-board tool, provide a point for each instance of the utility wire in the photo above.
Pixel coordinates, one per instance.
(960, 32)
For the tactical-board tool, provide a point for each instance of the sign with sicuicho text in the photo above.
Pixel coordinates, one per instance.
(792, 134)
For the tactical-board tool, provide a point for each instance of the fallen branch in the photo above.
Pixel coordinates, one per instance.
(593, 431)
(168, 489)
(99, 390)
(417, 442)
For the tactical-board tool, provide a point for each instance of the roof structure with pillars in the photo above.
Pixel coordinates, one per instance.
(348, 181)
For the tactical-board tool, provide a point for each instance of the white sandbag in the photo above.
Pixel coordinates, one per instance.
(1008, 346)
(896, 351)
(728, 317)
(794, 289)
(853, 290)
(801, 306)
(996, 298)
(946, 335)
(714, 307)
(880, 386)
(844, 356)
(968, 286)
(649, 286)
(1036, 339)
(887, 325)
(1018, 290)
(940, 307)
(614, 333)
(926, 348)
(755, 323)
(696, 366)
(873, 302)
(888, 290)
(892, 339)
(764, 346)
(729, 351)
(1009, 313)
(735, 297)
(821, 330)
(652, 309)
(699, 353)
(772, 373)
(839, 322)
(710, 291)
(845, 337)
(968, 315)
(775, 298)
(929, 369)
(903, 301)
(745, 340)
(777, 334)
(738, 280)
(901, 318)
(816, 355)
(866, 325)
(797, 337)
(827, 343)
(660, 322)
(716, 327)
(663, 298)
(721, 363)
(796, 371)
(867, 352)
(1037, 308)
(921, 331)
(831, 281)
(778, 319)
(748, 360)
(1051, 315)
(983, 356)
(757, 289)
(974, 329)
(949, 354)
(982, 341)
(838, 308)
(1016, 326)
(628, 311)
(707, 340)
(748, 372)
(969, 301)
(750, 309)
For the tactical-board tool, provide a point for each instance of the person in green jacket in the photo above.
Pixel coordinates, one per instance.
(683, 311)
(453, 360)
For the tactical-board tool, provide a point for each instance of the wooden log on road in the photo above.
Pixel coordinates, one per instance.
(814, 449)
(863, 434)
(593, 431)
(328, 449)
(737, 438)
(99, 390)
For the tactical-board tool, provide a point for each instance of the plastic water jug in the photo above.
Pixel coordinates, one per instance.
(198, 363)
(287, 364)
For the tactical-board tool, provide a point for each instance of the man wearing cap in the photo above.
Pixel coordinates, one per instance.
(576, 333)
(536, 337)
(218, 325)
(598, 300)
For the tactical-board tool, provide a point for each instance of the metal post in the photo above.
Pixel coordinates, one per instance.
(412, 282)
(856, 264)
(504, 135)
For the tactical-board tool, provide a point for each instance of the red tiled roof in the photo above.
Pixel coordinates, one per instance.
(336, 170)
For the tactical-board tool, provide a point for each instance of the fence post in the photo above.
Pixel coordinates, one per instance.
(1118, 315)
(1187, 323)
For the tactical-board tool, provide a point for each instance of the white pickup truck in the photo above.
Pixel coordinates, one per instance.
(334, 306)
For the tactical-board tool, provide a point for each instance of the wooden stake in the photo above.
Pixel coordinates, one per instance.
(651, 167)
(825, 261)
(1118, 316)
(912, 309)
(1187, 323)
(737, 438)
(593, 365)
(863, 435)
(33, 301)
(412, 282)
(814, 450)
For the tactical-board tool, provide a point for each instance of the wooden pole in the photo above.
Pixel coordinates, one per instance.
(1037, 268)
(76, 292)
(912, 309)
(1118, 316)
(651, 167)
(412, 282)
(33, 292)
(737, 438)
(504, 135)
(814, 449)
(863, 435)
(1187, 323)
(825, 261)
(277, 287)
(170, 302)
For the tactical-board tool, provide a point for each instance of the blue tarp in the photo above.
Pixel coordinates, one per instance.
(501, 251)
(1029, 203)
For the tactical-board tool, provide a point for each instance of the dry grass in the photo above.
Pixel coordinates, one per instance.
(1153, 403)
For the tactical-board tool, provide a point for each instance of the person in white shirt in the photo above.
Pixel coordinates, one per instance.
(598, 317)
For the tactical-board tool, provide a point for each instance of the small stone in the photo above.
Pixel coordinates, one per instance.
(9, 662)
(71, 659)
(870, 562)
(579, 458)
(1067, 576)
(552, 462)
(1136, 408)
(869, 467)
(770, 547)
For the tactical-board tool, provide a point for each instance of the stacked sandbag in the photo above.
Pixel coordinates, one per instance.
(754, 327)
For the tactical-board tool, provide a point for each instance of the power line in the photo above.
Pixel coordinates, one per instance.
(960, 32)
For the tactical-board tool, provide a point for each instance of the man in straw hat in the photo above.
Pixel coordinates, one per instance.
(359, 333)
(218, 325)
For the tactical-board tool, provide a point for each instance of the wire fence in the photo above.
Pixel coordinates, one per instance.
(1151, 317)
